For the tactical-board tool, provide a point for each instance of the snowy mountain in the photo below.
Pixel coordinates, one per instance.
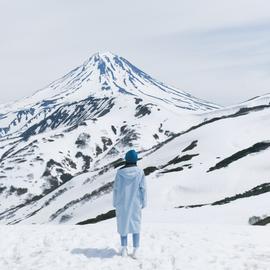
(59, 149)
(95, 86)
(85, 119)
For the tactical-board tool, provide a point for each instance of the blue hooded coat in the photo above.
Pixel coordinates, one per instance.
(129, 197)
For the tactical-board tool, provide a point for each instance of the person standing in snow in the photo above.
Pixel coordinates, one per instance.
(129, 197)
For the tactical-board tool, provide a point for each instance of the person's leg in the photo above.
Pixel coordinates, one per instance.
(136, 240)
(124, 245)
(123, 240)
(136, 244)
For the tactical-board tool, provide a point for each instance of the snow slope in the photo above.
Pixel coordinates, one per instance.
(199, 176)
(164, 246)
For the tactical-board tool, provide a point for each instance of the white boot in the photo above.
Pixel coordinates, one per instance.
(135, 254)
(124, 252)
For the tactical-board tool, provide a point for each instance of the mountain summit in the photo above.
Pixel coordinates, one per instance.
(106, 74)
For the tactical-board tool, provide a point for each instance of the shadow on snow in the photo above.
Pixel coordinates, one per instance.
(95, 252)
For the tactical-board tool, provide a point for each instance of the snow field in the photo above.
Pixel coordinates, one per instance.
(163, 246)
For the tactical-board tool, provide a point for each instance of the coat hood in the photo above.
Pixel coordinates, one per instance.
(129, 174)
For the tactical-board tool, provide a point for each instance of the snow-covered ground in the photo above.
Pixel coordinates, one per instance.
(163, 246)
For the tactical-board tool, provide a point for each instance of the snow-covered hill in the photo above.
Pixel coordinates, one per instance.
(215, 170)
(202, 162)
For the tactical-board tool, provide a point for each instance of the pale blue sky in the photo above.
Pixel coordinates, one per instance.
(216, 50)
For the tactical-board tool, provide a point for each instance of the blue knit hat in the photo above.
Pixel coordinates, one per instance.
(131, 156)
